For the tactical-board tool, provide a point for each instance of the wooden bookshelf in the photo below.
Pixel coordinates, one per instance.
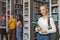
(54, 7)
(18, 7)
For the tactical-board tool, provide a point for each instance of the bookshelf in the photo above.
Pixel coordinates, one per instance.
(18, 4)
(55, 11)
(4, 8)
(26, 19)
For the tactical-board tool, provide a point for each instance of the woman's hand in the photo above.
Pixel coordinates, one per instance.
(39, 28)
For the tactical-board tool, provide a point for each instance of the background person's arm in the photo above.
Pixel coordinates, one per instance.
(10, 21)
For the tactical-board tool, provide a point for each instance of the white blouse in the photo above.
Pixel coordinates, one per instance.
(44, 24)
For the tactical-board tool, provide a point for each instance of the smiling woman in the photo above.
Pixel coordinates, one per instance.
(43, 29)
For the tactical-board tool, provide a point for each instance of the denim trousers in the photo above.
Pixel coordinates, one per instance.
(42, 37)
(18, 33)
(3, 32)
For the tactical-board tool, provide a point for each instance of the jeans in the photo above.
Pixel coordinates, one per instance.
(42, 37)
(18, 33)
(3, 32)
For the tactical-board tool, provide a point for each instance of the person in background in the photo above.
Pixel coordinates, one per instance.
(19, 27)
(3, 29)
(12, 28)
(0, 23)
(43, 29)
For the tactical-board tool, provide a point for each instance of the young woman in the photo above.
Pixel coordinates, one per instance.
(19, 27)
(43, 24)
(3, 30)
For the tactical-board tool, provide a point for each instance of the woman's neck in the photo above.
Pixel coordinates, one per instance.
(45, 16)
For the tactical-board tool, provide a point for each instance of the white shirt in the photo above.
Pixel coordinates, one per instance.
(44, 24)
(19, 24)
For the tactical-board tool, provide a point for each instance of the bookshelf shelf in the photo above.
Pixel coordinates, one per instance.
(54, 5)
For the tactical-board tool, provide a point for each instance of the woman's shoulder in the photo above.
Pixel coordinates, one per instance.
(51, 18)
(19, 21)
(40, 18)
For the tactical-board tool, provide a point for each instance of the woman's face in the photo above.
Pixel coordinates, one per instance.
(43, 10)
(3, 17)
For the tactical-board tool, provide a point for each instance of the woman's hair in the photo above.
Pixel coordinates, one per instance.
(45, 5)
(20, 18)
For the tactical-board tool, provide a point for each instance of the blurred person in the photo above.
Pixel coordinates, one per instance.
(3, 29)
(0, 23)
(19, 27)
(43, 32)
(12, 28)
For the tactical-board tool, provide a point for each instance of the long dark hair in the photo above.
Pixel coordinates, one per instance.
(20, 18)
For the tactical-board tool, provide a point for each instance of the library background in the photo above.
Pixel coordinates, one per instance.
(29, 9)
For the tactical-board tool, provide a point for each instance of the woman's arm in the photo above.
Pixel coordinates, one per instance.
(52, 24)
(37, 29)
